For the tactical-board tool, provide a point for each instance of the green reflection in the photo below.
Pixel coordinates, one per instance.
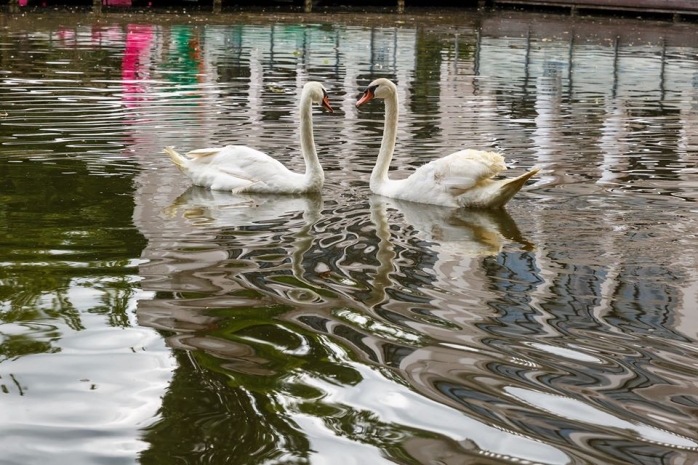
(19, 345)
(204, 420)
(184, 57)
(66, 244)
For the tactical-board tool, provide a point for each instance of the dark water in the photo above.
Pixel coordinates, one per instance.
(142, 320)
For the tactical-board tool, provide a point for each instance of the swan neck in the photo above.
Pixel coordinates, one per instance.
(385, 155)
(313, 170)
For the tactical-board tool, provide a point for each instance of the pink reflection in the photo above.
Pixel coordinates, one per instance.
(134, 66)
(135, 72)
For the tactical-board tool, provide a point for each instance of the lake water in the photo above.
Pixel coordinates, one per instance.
(146, 321)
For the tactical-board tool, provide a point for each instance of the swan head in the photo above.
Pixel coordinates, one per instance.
(318, 94)
(380, 88)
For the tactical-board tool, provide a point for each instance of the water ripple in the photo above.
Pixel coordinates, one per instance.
(347, 324)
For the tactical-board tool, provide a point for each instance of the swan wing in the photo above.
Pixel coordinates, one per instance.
(461, 171)
(470, 182)
(205, 153)
(237, 168)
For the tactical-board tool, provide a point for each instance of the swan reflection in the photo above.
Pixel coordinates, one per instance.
(432, 270)
(451, 242)
(468, 232)
(201, 206)
(224, 249)
(251, 304)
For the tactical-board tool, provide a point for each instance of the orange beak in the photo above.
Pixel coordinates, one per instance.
(368, 95)
(326, 104)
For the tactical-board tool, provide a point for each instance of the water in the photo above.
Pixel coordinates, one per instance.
(147, 321)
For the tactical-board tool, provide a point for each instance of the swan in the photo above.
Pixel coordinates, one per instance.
(240, 169)
(461, 179)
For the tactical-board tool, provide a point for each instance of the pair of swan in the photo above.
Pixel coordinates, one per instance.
(461, 179)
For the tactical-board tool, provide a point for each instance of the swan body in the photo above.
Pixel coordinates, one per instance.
(461, 179)
(241, 169)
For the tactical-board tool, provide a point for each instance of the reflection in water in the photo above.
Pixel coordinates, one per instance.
(78, 376)
(252, 326)
(136, 61)
(468, 232)
(251, 218)
(575, 410)
(348, 327)
(449, 242)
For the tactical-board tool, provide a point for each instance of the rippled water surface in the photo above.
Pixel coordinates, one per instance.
(144, 320)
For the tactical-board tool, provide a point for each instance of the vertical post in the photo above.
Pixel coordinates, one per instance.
(400, 6)
(616, 58)
(662, 88)
(570, 67)
(14, 6)
(96, 6)
(217, 6)
(308, 6)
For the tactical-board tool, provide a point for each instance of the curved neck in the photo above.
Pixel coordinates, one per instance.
(385, 155)
(312, 164)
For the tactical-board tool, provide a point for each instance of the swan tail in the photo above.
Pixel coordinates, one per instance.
(178, 159)
(510, 187)
(498, 193)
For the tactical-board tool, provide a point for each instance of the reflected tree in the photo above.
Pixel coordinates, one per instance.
(83, 240)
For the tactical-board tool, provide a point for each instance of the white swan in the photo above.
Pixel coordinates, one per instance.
(461, 179)
(240, 169)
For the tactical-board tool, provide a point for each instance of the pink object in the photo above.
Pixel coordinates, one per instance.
(123, 3)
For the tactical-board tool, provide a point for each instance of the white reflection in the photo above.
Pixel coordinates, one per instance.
(576, 410)
(396, 404)
(564, 352)
(203, 207)
(191, 250)
(456, 239)
(613, 143)
(465, 232)
(547, 135)
(327, 447)
(105, 384)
